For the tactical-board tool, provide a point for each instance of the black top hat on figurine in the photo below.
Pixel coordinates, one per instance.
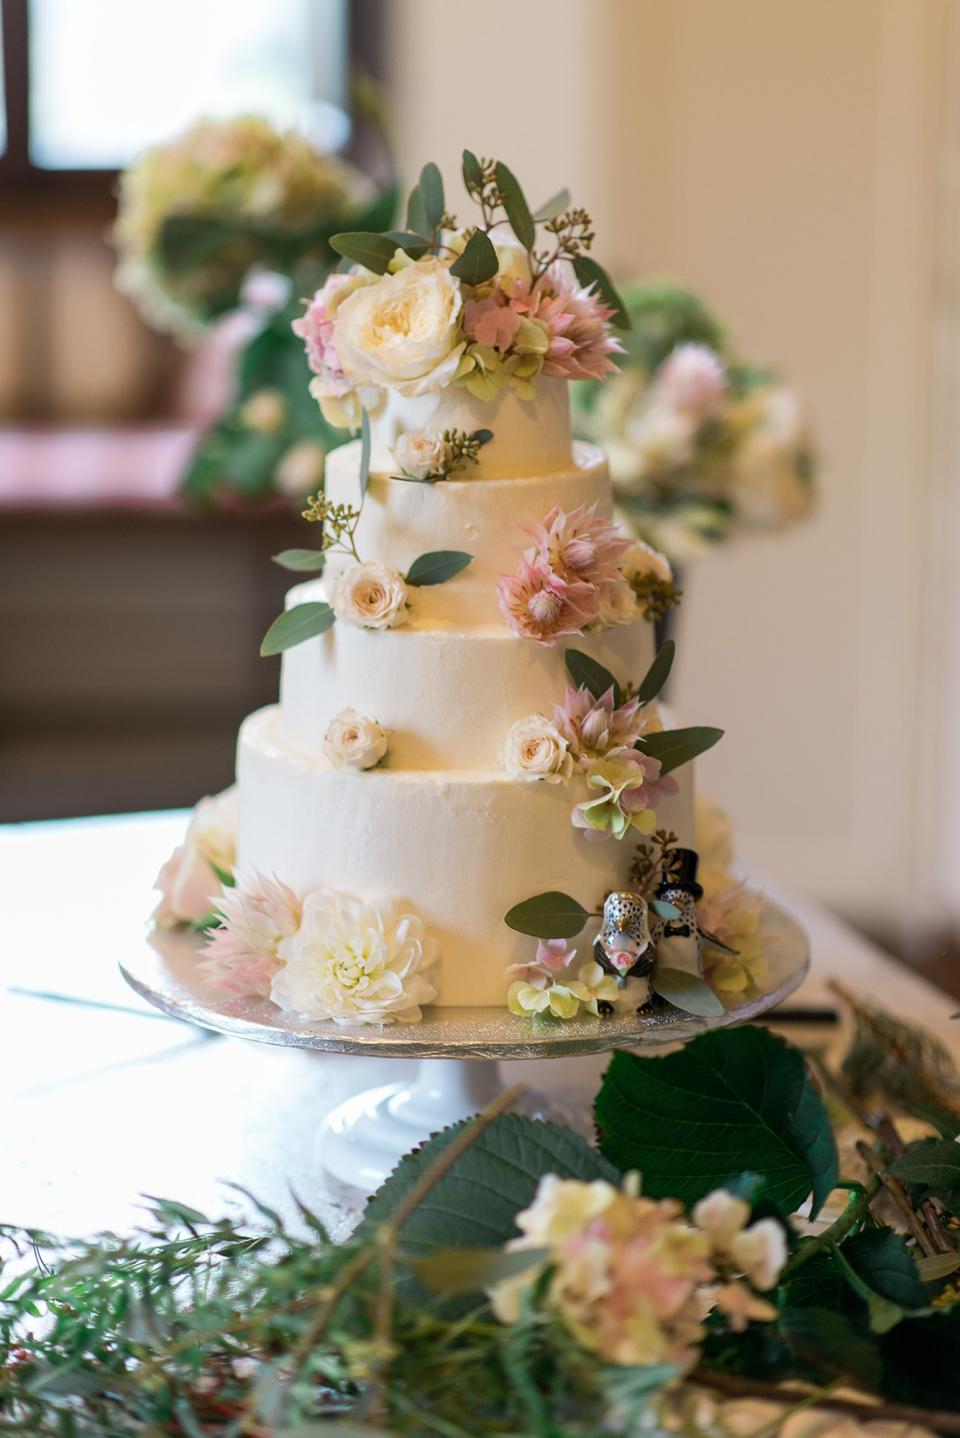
(683, 873)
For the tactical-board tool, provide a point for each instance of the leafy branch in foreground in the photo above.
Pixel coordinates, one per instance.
(200, 1327)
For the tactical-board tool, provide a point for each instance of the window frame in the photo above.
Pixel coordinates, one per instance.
(20, 175)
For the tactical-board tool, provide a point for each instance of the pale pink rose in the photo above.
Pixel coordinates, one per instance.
(538, 604)
(693, 378)
(315, 327)
(188, 882)
(592, 727)
(577, 325)
(580, 545)
(420, 453)
(491, 321)
(370, 595)
(243, 953)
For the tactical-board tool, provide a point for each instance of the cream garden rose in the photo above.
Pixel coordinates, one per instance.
(535, 749)
(370, 595)
(354, 742)
(403, 331)
(420, 453)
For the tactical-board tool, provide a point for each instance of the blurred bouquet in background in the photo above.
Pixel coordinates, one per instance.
(236, 216)
(702, 447)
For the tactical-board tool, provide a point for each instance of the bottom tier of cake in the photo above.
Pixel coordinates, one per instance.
(459, 847)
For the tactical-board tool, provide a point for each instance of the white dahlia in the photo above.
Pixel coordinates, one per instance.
(356, 963)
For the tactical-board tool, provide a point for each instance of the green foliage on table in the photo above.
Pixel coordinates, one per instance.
(194, 1326)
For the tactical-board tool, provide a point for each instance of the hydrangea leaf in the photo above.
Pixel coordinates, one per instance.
(934, 1161)
(732, 1100)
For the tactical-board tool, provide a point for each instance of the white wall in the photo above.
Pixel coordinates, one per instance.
(781, 156)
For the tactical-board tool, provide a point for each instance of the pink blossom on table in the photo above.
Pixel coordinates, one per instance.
(579, 545)
(577, 324)
(189, 882)
(553, 957)
(243, 954)
(491, 321)
(538, 604)
(693, 378)
(592, 727)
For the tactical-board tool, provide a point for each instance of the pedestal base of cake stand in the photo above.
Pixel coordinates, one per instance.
(457, 1050)
(363, 1139)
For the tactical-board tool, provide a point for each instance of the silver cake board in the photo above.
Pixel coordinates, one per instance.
(457, 1049)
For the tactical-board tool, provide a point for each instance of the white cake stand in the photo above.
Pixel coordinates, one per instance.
(458, 1050)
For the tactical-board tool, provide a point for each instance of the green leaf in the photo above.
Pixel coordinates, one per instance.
(431, 194)
(474, 1204)
(938, 1265)
(364, 451)
(416, 246)
(664, 910)
(588, 674)
(674, 747)
(548, 916)
(301, 561)
(482, 436)
(832, 1343)
(732, 1100)
(470, 1270)
(588, 272)
(882, 1260)
(416, 213)
(294, 626)
(478, 262)
(515, 204)
(472, 174)
(374, 252)
(437, 567)
(687, 992)
(658, 673)
(553, 207)
(933, 1161)
(226, 877)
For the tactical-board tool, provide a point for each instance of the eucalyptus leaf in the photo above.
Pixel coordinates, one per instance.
(674, 747)
(471, 1270)
(478, 262)
(553, 207)
(431, 193)
(687, 992)
(657, 675)
(416, 246)
(587, 673)
(933, 1161)
(416, 213)
(364, 452)
(437, 567)
(664, 910)
(482, 436)
(588, 272)
(472, 173)
(832, 1343)
(301, 561)
(374, 252)
(295, 625)
(515, 204)
(548, 916)
(732, 1100)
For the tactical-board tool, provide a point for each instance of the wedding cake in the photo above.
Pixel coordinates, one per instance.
(467, 757)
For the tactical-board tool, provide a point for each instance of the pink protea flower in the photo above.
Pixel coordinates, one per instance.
(576, 321)
(538, 604)
(693, 379)
(592, 727)
(243, 954)
(491, 321)
(580, 546)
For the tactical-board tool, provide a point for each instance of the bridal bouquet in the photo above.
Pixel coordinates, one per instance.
(235, 215)
(716, 1267)
(702, 446)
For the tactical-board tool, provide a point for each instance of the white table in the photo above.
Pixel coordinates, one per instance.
(99, 1106)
